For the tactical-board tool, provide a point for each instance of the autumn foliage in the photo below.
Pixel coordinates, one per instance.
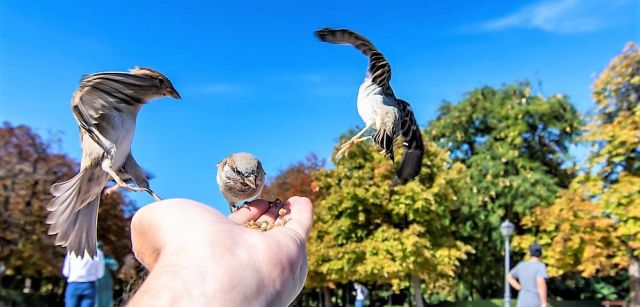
(295, 180)
(593, 227)
(500, 152)
(29, 165)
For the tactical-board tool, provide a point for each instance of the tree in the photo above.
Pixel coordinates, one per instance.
(515, 146)
(294, 180)
(28, 167)
(605, 200)
(614, 177)
(576, 235)
(368, 231)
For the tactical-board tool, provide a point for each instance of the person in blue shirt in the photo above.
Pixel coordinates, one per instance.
(529, 278)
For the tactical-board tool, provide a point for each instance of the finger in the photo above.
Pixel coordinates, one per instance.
(301, 216)
(150, 234)
(145, 248)
(283, 213)
(251, 212)
(270, 216)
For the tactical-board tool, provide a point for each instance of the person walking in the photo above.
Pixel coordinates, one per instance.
(81, 273)
(360, 293)
(529, 278)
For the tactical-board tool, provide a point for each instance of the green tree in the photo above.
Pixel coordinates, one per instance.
(365, 230)
(515, 146)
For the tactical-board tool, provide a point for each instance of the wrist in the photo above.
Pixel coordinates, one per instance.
(211, 278)
(171, 283)
(200, 279)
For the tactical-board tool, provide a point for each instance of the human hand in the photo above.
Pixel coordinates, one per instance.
(199, 257)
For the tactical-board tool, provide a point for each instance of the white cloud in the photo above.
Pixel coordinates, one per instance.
(561, 16)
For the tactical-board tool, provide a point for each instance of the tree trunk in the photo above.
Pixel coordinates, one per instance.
(345, 294)
(417, 291)
(634, 274)
(326, 294)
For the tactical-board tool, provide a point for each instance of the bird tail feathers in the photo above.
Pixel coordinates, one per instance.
(409, 166)
(345, 36)
(74, 214)
(384, 139)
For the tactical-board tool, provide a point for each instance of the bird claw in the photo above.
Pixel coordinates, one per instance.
(348, 145)
(275, 202)
(245, 206)
(129, 187)
(111, 190)
(344, 149)
(154, 195)
(133, 189)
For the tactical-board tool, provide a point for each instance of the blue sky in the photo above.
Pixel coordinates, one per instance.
(253, 77)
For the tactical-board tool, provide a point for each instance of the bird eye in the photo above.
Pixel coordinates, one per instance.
(160, 80)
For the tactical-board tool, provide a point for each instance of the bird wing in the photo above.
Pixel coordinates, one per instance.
(409, 126)
(105, 93)
(412, 160)
(379, 69)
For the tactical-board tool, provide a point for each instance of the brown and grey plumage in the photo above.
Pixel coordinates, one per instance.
(106, 106)
(240, 177)
(379, 108)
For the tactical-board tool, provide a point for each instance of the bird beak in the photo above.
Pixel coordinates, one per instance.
(173, 93)
(250, 181)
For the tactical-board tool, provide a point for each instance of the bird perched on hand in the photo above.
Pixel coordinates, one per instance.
(240, 178)
(379, 108)
(105, 105)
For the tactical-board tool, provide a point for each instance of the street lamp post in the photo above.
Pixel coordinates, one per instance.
(507, 228)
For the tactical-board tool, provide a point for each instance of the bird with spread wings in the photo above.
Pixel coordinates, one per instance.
(105, 106)
(379, 108)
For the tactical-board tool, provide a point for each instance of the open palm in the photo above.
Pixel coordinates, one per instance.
(199, 257)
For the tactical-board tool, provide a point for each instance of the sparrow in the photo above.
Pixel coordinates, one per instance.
(105, 106)
(379, 108)
(240, 177)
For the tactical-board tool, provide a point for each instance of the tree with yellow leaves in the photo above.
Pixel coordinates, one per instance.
(594, 227)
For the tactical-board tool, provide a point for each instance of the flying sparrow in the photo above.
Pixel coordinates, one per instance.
(379, 108)
(240, 178)
(105, 106)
